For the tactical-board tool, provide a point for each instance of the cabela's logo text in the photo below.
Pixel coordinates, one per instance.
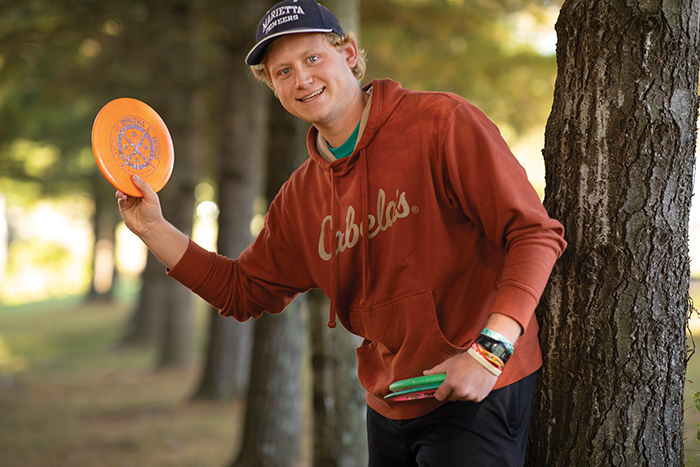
(387, 215)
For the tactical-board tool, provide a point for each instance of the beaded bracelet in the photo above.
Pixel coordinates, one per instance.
(479, 357)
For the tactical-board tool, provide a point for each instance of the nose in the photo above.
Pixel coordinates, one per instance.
(303, 78)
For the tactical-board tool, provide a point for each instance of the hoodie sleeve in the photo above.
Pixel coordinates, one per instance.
(267, 276)
(491, 188)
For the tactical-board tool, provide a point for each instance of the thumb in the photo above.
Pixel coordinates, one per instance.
(143, 187)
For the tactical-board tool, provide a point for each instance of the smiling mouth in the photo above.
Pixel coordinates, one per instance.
(312, 96)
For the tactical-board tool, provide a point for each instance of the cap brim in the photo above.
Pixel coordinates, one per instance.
(256, 53)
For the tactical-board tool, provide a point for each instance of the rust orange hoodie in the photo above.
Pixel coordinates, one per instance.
(427, 228)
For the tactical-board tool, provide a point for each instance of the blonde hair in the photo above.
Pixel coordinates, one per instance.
(262, 73)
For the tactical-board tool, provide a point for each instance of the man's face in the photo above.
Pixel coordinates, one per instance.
(313, 80)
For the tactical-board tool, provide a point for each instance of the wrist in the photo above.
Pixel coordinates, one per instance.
(489, 361)
(507, 327)
(495, 344)
(166, 242)
(491, 338)
(153, 230)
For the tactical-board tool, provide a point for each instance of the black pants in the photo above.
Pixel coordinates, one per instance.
(490, 433)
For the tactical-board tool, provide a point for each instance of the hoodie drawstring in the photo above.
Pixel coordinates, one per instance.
(335, 267)
(364, 222)
(364, 235)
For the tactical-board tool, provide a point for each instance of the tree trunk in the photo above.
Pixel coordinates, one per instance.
(184, 107)
(340, 432)
(347, 12)
(619, 153)
(273, 424)
(105, 221)
(226, 374)
(241, 135)
(145, 326)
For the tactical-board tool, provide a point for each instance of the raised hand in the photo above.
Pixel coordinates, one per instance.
(144, 217)
(140, 214)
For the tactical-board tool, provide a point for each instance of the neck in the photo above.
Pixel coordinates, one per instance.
(340, 130)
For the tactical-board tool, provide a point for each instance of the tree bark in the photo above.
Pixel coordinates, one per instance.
(273, 422)
(340, 433)
(619, 156)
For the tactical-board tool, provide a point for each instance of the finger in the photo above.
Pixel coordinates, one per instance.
(143, 187)
(437, 369)
(450, 390)
(443, 392)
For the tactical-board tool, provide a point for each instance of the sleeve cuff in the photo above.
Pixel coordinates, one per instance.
(193, 267)
(516, 303)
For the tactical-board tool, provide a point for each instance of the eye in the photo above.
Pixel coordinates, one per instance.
(283, 72)
(313, 58)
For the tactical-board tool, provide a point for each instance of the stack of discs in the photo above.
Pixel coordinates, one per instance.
(421, 387)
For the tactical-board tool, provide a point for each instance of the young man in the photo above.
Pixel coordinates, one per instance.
(419, 224)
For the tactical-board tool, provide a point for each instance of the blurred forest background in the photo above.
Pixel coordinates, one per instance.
(61, 61)
(61, 240)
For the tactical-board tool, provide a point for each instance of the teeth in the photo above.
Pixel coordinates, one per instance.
(308, 98)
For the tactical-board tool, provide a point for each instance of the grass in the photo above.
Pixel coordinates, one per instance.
(68, 397)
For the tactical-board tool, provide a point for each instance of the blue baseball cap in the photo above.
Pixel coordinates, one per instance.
(291, 17)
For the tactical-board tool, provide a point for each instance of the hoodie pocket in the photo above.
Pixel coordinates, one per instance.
(402, 339)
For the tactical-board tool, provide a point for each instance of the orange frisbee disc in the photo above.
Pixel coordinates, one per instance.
(129, 138)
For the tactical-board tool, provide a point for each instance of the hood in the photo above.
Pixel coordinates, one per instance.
(386, 96)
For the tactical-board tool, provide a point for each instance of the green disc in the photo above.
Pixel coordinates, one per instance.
(418, 381)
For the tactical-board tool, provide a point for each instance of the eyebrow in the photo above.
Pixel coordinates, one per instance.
(306, 53)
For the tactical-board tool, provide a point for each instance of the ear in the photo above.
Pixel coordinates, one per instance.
(351, 54)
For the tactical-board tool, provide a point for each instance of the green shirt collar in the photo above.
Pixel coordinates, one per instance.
(345, 149)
